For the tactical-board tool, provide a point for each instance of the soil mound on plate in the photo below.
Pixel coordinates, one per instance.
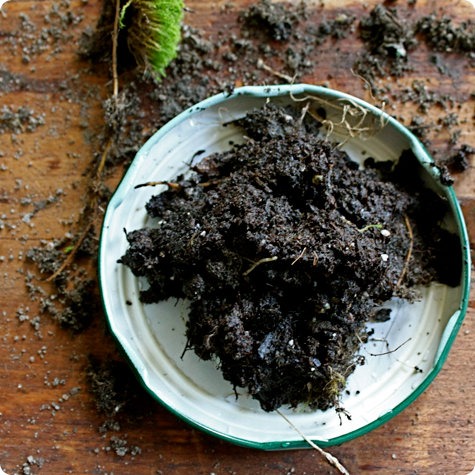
(284, 248)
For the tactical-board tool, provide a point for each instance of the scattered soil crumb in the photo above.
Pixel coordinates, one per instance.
(116, 391)
(121, 447)
(23, 119)
(31, 461)
(107, 385)
(460, 160)
(388, 41)
(442, 35)
(76, 300)
(275, 19)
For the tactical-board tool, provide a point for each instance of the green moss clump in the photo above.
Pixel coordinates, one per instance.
(153, 31)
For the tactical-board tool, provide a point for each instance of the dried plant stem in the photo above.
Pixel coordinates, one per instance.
(73, 252)
(258, 263)
(115, 39)
(299, 256)
(265, 67)
(409, 251)
(102, 163)
(387, 345)
(331, 459)
(391, 351)
(96, 179)
(171, 184)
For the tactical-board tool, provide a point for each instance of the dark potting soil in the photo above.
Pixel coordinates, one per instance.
(248, 48)
(285, 248)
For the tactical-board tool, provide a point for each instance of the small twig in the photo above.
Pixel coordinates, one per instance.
(176, 186)
(391, 351)
(172, 185)
(299, 256)
(409, 251)
(72, 253)
(367, 83)
(304, 113)
(258, 263)
(331, 459)
(262, 65)
(102, 163)
(387, 345)
(115, 41)
(74, 249)
(315, 259)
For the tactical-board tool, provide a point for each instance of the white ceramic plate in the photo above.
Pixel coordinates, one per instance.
(153, 336)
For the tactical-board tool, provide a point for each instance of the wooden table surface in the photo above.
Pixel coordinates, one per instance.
(49, 417)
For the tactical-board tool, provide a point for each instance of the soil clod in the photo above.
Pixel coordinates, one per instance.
(283, 257)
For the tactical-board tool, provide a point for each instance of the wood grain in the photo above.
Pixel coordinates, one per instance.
(49, 422)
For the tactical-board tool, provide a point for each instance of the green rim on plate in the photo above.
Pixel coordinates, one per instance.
(152, 345)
